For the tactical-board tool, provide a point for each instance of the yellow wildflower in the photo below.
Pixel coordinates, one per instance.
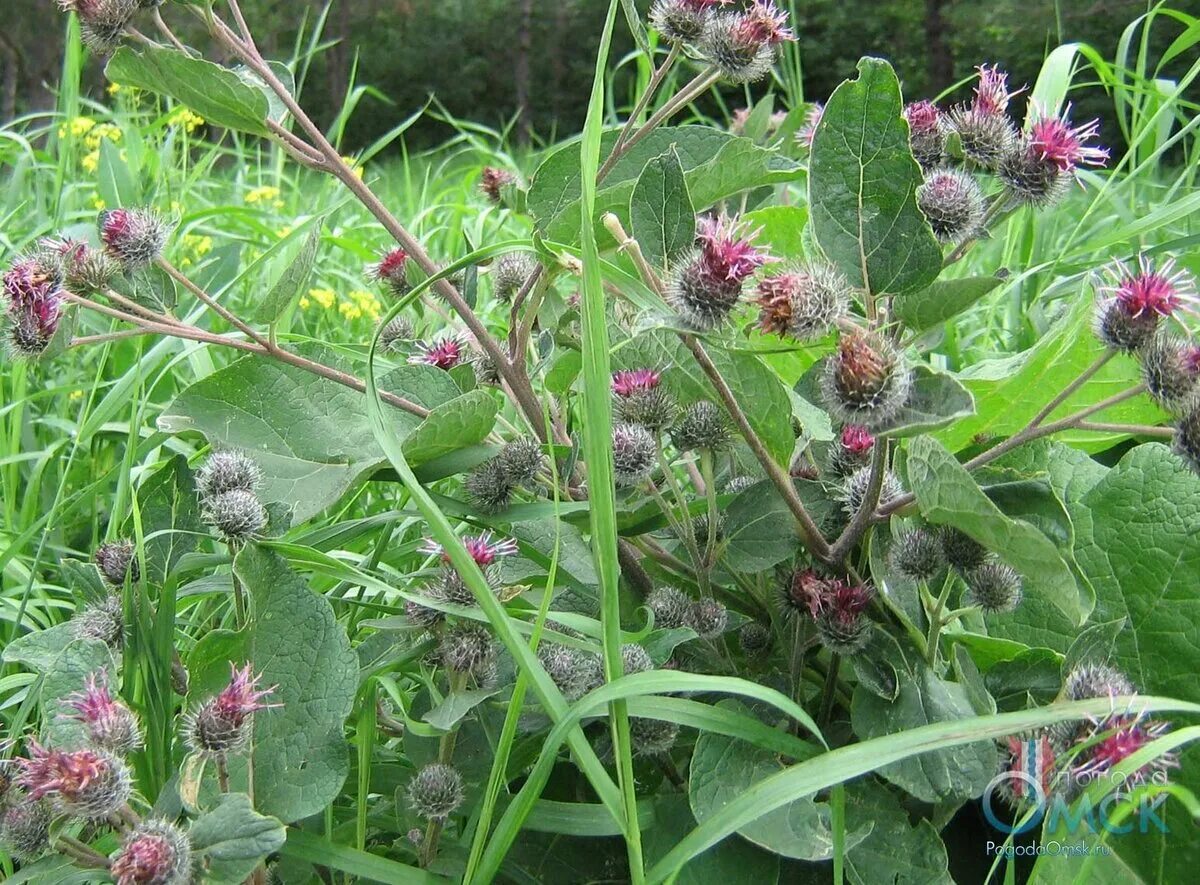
(355, 166)
(101, 132)
(196, 246)
(323, 297)
(349, 310)
(113, 88)
(75, 395)
(304, 302)
(184, 117)
(78, 127)
(367, 304)
(284, 232)
(90, 162)
(265, 194)
(98, 204)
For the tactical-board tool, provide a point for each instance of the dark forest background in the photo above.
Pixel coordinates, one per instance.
(495, 61)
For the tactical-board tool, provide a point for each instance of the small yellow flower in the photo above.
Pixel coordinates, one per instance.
(186, 118)
(355, 166)
(196, 246)
(78, 127)
(305, 304)
(98, 204)
(323, 297)
(367, 304)
(265, 194)
(99, 133)
(349, 310)
(113, 88)
(75, 395)
(284, 232)
(90, 162)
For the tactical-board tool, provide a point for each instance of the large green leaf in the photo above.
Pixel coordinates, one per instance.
(942, 300)
(293, 269)
(311, 436)
(217, 94)
(661, 215)
(862, 187)
(300, 751)
(896, 851)
(734, 860)
(925, 698)
(780, 230)
(450, 425)
(231, 839)
(1009, 391)
(170, 515)
(724, 767)
(716, 165)
(948, 495)
(1142, 554)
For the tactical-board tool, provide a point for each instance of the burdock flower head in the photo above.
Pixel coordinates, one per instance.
(228, 470)
(952, 202)
(134, 237)
(222, 725)
(927, 130)
(682, 21)
(917, 554)
(866, 381)
(493, 181)
(1040, 166)
(117, 560)
(110, 724)
(812, 119)
(485, 551)
(640, 398)
(155, 853)
(804, 303)
(984, 129)
(702, 426)
(34, 306)
(103, 621)
(444, 353)
(1171, 369)
(1134, 302)
(634, 452)
(994, 586)
(85, 783)
(102, 22)
(1112, 740)
(837, 606)
(392, 271)
(510, 273)
(25, 827)
(742, 45)
(436, 791)
(851, 451)
(708, 287)
(237, 515)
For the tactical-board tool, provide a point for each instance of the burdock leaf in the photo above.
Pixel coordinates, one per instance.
(862, 187)
(217, 94)
(660, 211)
(170, 516)
(232, 839)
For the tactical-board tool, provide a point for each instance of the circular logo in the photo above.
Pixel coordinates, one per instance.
(1032, 788)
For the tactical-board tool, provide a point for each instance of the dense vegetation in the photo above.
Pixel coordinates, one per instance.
(699, 499)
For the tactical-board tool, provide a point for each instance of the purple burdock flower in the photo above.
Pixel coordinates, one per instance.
(493, 181)
(1135, 301)
(631, 381)
(482, 548)
(706, 289)
(391, 270)
(1114, 739)
(35, 302)
(985, 131)
(1056, 141)
(804, 303)
(445, 353)
(682, 21)
(812, 119)
(222, 725)
(86, 783)
(156, 853)
(742, 45)
(640, 399)
(102, 22)
(837, 607)
(927, 129)
(991, 92)
(1044, 161)
(110, 724)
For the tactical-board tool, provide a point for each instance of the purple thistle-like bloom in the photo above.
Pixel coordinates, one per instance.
(726, 250)
(991, 92)
(1120, 736)
(1056, 141)
(110, 724)
(857, 439)
(492, 182)
(923, 117)
(1148, 290)
(763, 24)
(631, 381)
(242, 696)
(482, 548)
(390, 269)
(445, 353)
(812, 119)
(35, 305)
